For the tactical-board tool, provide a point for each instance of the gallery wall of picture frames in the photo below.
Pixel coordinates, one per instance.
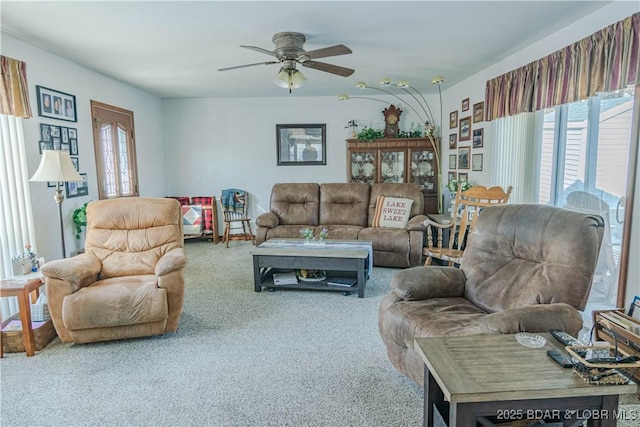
(465, 131)
(58, 105)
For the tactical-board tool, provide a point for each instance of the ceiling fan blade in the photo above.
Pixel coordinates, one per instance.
(247, 65)
(336, 50)
(259, 49)
(329, 68)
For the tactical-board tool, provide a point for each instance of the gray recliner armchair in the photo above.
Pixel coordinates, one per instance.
(525, 268)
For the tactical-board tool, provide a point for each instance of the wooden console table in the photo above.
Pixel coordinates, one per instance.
(472, 378)
(22, 288)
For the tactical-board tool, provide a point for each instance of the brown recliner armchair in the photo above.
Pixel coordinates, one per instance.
(129, 282)
(525, 268)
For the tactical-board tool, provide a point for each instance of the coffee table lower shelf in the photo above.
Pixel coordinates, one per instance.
(322, 285)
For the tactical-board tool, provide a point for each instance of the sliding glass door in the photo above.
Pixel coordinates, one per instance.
(584, 166)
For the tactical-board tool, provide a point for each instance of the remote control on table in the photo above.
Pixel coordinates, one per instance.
(564, 338)
(560, 358)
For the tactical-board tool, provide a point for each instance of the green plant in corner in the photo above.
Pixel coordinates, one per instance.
(80, 219)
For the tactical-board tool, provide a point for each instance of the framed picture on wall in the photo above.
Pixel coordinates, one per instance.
(465, 104)
(478, 138)
(299, 145)
(453, 119)
(463, 176)
(56, 105)
(464, 129)
(453, 141)
(78, 188)
(453, 161)
(478, 112)
(451, 176)
(463, 157)
(476, 162)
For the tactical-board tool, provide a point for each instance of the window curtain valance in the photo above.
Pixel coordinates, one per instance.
(605, 61)
(14, 97)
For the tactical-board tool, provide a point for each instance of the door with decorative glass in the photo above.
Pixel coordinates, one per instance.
(114, 144)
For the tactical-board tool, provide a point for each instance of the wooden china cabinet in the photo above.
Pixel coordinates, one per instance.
(398, 160)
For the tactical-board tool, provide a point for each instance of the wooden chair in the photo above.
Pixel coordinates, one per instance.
(235, 208)
(468, 205)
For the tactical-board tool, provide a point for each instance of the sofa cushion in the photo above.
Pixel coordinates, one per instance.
(119, 301)
(405, 191)
(130, 234)
(344, 204)
(345, 232)
(285, 232)
(391, 212)
(296, 203)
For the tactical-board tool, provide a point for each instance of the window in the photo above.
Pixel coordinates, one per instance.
(584, 156)
(114, 144)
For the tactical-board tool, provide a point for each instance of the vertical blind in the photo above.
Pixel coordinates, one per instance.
(605, 61)
(514, 154)
(16, 216)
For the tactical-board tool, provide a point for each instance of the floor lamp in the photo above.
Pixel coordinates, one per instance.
(56, 166)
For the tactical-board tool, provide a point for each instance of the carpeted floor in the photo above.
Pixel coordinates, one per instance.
(240, 358)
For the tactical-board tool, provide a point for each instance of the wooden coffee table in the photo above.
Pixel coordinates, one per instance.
(338, 258)
(471, 378)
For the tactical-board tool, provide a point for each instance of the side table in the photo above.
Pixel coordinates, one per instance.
(467, 379)
(22, 288)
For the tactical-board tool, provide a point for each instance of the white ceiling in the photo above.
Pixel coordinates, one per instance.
(174, 48)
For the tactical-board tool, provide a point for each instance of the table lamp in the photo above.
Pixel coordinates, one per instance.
(56, 166)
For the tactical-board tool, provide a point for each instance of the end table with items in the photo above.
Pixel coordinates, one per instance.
(27, 290)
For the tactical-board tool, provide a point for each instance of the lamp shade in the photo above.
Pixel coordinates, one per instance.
(282, 79)
(56, 166)
(297, 79)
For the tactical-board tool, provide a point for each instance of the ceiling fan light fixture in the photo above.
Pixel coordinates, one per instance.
(296, 79)
(437, 80)
(403, 84)
(385, 82)
(282, 79)
(343, 97)
(361, 85)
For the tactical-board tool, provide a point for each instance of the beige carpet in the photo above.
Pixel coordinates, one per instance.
(240, 358)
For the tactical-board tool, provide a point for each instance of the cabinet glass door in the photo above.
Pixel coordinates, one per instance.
(392, 164)
(423, 169)
(363, 167)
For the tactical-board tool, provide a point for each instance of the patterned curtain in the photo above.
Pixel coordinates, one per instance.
(14, 94)
(605, 61)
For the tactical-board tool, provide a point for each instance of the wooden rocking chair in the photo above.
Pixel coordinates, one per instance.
(468, 205)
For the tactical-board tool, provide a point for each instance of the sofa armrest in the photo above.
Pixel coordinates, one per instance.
(419, 283)
(173, 260)
(78, 271)
(417, 223)
(533, 318)
(268, 220)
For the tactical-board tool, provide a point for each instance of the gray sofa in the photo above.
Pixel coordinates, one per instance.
(346, 210)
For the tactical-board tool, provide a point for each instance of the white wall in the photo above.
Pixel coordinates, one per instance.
(50, 71)
(212, 144)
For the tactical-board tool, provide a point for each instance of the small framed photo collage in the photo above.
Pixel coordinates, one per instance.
(465, 139)
(58, 105)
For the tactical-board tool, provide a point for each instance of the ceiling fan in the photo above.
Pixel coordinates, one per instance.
(289, 52)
